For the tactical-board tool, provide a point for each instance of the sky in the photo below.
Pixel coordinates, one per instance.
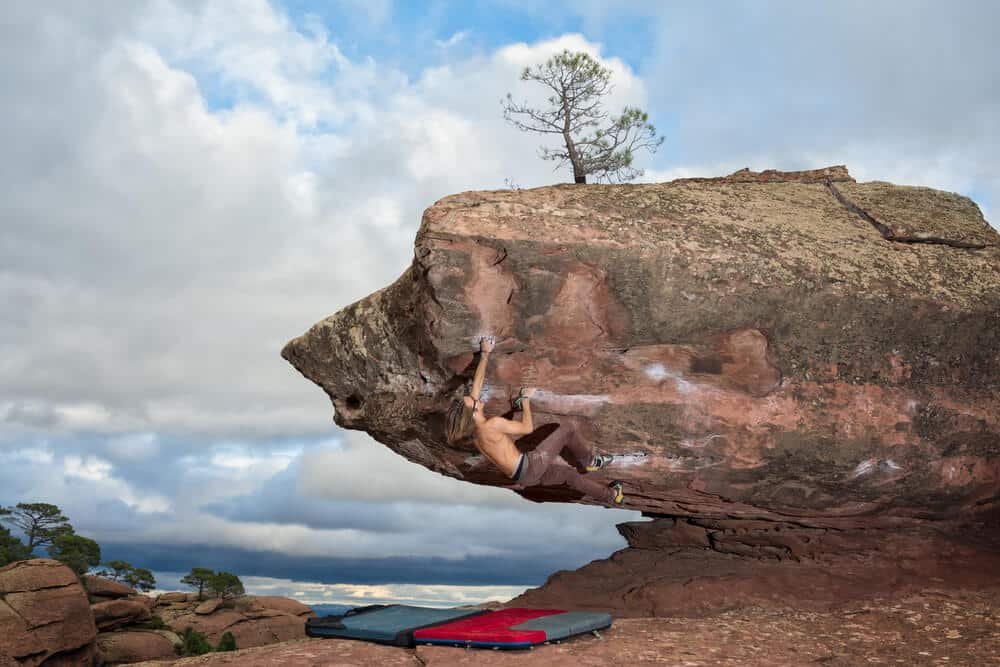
(185, 186)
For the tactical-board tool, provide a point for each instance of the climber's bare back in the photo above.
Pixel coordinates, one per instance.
(493, 441)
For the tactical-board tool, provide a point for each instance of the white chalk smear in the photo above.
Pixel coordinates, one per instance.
(869, 466)
(630, 459)
(690, 443)
(656, 371)
(659, 372)
(864, 468)
(588, 399)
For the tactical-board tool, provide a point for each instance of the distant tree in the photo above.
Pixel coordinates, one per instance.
(227, 642)
(595, 144)
(77, 552)
(198, 578)
(226, 585)
(11, 548)
(124, 572)
(116, 570)
(41, 523)
(140, 579)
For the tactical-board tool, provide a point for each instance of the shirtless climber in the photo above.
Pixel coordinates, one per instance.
(539, 467)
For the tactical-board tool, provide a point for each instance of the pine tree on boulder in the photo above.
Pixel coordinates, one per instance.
(11, 548)
(198, 578)
(75, 551)
(41, 523)
(226, 585)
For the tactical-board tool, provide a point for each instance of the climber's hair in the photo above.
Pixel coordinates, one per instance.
(458, 423)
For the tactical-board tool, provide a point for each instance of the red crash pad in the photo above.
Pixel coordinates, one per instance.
(489, 629)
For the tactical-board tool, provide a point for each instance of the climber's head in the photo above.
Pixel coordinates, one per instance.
(462, 417)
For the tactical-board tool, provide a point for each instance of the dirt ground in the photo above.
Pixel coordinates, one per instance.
(934, 627)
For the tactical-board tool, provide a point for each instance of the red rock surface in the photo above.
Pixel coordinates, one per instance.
(128, 646)
(100, 589)
(117, 613)
(277, 603)
(208, 606)
(802, 359)
(253, 620)
(44, 615)
(934, 627)
(686, 577)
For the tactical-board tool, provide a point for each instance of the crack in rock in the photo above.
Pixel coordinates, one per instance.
(888, 234)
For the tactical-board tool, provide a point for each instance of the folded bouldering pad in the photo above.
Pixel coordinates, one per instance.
(385, 624)
(513, 628)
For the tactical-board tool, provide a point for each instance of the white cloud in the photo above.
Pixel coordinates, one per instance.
(133, 447)
(195, 240)
(364, 594)
(106, 485)
(245, 462)
(355, 595)
(92, 468)
(364, 470)
(32, 455)
(451, 41)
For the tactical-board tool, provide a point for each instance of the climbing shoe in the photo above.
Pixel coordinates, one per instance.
(600, 461)
(619, 494)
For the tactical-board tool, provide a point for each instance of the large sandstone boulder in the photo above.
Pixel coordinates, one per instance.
(275, 603)
(127, 646)
(251, 623)
(795, 359)
(779, 346)
(117, 613)
(100, 589)
(44, 615)
(209, 606)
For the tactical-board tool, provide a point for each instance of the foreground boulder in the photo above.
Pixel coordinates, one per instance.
(44, 615)
(128, 646)
(100, 589)
(118, 613)
(253, 620)
(786, 347)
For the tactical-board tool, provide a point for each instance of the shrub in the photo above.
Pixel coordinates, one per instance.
(194, 643)
(227, 642)
(156, 623)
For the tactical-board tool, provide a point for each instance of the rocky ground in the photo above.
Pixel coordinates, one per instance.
(48, 617)
(933, 627)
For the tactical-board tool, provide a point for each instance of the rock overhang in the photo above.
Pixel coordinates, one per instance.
(770, 349)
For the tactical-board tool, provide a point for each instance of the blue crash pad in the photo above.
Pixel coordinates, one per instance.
(385, 624)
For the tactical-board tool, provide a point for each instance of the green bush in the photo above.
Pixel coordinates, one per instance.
(194, 643)
(155, 623)
(227, 642)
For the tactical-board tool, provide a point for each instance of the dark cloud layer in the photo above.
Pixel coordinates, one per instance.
(474, 571)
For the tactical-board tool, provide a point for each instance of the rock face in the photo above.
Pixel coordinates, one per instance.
(136, 646)
(676, 567)
(44, 616)
(100, 589)
(253, 620)
(791, 348)
(118, 613)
